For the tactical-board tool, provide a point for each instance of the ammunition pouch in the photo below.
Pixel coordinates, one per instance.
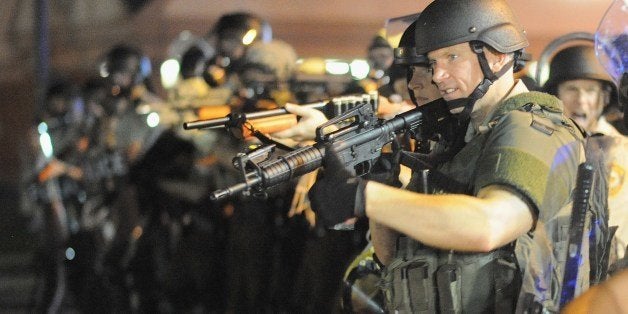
(424, 280)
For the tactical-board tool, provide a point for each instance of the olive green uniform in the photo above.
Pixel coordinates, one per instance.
(527, 145)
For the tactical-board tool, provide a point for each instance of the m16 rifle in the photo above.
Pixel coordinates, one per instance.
(357, 141)
(269, 121)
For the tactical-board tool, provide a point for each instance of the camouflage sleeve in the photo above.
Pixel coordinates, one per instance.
(534, 157)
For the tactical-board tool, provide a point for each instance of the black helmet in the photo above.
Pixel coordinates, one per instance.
(573, 63)
(126, 58)
(481, 23)
(193, 62)
(239, 23)
(445, 23)
(405, 54)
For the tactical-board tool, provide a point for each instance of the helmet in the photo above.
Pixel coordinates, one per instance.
(380, 54)
(276, 57)
(611, 42)
(405, 54)
(266, 68)
(193, 62)
(126, 59)
(445, 23)
(575, 62)
(61, 96)
(239, 24)
(379, 42)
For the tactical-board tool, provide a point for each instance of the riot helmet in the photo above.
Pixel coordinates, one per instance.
(61, 101)
(125, 67)
(448, 22)
(267, 69)
(481, 23)
(578, 79)
(193, 62)
(611, 43)
(235, 31)
(380, 54)
(574, 63)
(406, 54)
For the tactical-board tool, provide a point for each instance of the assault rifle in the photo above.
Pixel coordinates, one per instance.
(357, 142)
(269, 121)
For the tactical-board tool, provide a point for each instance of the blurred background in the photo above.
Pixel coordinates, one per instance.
(40, 39)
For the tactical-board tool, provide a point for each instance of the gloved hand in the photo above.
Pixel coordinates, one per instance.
(337, 194)
(386, 169)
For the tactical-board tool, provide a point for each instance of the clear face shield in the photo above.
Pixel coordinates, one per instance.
(611, 47)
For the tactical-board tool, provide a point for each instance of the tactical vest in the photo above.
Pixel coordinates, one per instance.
(421, 279)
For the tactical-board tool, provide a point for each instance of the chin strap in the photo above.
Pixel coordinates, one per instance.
(489, 78)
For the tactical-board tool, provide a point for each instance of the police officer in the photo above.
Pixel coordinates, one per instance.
(610, 38)
(233, 33)
(578, 79)
(453, 250)
(54, 179)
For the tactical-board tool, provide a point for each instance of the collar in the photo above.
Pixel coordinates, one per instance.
(475, 128)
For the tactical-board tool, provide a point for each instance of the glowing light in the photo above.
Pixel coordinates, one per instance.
(137, 232)
(169, 71)
(152, 119)
(42, 128)
(337, 67)
(359, 68)
(46, 144)
(70, 254)
(249, 37)
(102, 69)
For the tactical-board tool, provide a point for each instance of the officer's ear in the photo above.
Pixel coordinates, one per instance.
(496, 59)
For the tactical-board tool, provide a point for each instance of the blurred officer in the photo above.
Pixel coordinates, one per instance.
(54, 188)
(233, 33)
(453, 250)
(610, 40)
(261, 259)
(361, 291)
(379, 58)
(578, 79)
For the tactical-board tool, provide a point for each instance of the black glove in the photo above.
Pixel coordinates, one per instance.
(386, 169)
(337, 194)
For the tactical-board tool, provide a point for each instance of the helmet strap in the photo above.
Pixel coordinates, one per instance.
(409, 74)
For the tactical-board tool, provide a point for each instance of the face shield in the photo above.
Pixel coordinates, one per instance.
(611, 40)
(611, 44)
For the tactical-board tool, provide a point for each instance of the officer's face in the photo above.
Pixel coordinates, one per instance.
(230, 45)
(456, 71)
(584, 101)
(125, 76)
(421, 85)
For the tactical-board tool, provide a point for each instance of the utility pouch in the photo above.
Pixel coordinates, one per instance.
(408, 284)
(449, 295)
(507, 285)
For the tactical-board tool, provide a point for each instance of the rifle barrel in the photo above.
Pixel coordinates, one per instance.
(221, 122)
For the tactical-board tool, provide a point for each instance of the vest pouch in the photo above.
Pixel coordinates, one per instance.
(409, 285)
(507, 285)
(449, 294)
